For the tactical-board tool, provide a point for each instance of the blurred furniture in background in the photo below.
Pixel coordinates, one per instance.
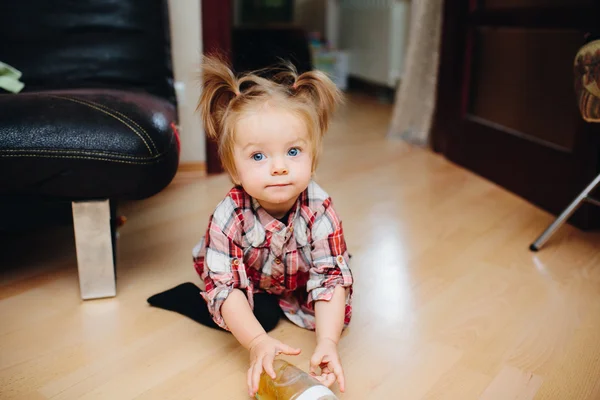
(260, 12)
(257, 47)
(94, 125)
(505, 106)
(587, 90)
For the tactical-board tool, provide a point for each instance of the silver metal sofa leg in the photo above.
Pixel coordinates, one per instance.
(584, 196)
(94, 246)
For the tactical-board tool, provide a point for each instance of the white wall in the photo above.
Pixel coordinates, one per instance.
(374, 33)
(332, 23)
(186, 46)
(400, 20)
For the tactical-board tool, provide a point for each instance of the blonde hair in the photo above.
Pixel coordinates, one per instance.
(311, 96)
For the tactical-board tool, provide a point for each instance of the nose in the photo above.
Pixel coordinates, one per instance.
(279, 167)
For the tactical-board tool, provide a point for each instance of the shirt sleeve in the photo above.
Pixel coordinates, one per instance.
(329, 256)
(224, 268)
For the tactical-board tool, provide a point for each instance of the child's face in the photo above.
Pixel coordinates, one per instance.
(273, 159)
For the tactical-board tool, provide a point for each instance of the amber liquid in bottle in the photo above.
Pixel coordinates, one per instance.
(291, 383)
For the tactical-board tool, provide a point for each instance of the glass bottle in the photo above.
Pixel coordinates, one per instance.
(291, 383)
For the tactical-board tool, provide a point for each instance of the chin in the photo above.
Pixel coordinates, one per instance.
(279, 199)
(282, 196)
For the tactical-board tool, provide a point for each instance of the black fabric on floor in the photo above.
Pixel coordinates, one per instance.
(185, 299)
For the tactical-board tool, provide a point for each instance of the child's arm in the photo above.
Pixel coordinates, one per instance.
(330, 287)
(330, 315)
(247, 330)
(240, 319)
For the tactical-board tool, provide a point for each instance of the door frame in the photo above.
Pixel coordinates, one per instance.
(450, 66)
(217, 17)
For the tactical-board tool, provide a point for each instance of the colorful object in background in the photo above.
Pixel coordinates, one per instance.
(330, 61)
(335, 64)
(121, 220)
(9, 78)
(587, 80)
(291, 383)
(176, 133)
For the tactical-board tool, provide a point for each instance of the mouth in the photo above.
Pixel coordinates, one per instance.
(280, 185)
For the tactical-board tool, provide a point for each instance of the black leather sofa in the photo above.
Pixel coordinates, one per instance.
(95, 123)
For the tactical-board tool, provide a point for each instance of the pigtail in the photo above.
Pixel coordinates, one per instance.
(315, 86)
(319, 89)
(219, 88)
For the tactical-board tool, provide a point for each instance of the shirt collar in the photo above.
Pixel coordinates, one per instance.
(272, 224)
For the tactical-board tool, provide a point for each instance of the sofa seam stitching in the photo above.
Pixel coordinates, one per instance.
(106, 108)
(109, 114)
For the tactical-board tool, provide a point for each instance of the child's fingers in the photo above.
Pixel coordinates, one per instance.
(268, 365)
(315, 362)
(285, 349)
(326, 377)
(339, 374)
(249, 380)
(329, 379)
(252, 382)
(256, 371)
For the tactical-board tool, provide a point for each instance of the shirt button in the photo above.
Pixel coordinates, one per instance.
(340, 259)
(277, 261)
(236, 261)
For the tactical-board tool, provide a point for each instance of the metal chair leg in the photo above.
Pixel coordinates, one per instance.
(94, 246)
(566, 214)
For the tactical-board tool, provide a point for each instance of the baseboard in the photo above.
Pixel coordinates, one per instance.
(199, 166)
(190, 171)
(382, 92)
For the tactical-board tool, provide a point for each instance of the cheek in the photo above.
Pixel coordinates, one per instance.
(249, 169)
(303, 164)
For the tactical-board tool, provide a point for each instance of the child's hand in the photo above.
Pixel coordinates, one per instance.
(263, 350)
(327, 359)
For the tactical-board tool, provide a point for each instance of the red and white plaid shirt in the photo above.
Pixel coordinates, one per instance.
(301, 261)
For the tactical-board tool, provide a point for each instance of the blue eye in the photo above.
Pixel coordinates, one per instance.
(258, 157)
(293, 152)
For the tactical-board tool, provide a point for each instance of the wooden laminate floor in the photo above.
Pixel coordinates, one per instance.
(449, 302)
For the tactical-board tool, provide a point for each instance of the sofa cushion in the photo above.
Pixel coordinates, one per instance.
(66, 44)
(86, 144)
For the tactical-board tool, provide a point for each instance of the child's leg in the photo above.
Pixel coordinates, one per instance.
(185, 299)
(267, 310)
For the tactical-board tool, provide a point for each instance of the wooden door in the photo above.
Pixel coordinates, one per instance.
(506, 107)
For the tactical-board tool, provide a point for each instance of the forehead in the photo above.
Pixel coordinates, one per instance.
(269, 124)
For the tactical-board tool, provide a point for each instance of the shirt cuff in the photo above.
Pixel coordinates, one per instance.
(223, 287)
(325, 278)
